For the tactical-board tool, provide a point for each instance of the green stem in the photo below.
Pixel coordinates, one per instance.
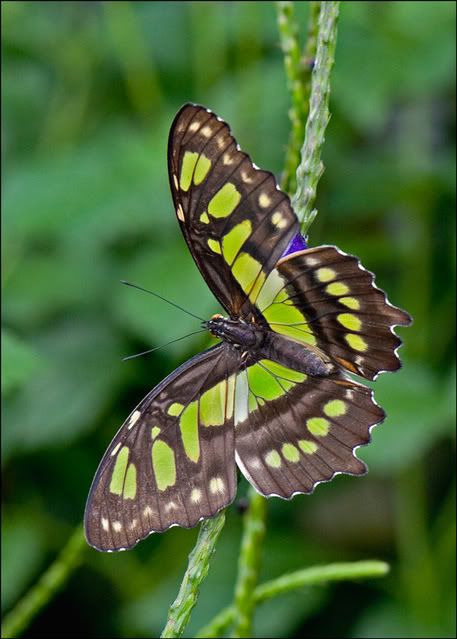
(249, 564)
(298, 73)
(294, 580)
(197, 569)
(311, 167)
(421, 584)
(46, 587)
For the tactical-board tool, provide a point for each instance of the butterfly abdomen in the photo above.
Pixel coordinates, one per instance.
(292, 354)
(265, 344)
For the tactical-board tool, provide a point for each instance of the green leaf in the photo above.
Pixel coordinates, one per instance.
(283, 615)
(90, 195)
(383, 47)
(22, 555)
(167, 269)
(66, 398)
(420, 408)
(391, 619)
(19, 361)
(44, 286)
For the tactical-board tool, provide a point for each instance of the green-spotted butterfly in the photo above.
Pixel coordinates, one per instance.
(273, 397)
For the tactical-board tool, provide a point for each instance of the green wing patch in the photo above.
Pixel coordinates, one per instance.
(302, 430)
(234, 218)
(325, 298)
(172, 461)
(281, 312)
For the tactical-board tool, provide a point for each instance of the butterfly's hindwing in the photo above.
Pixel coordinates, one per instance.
(325, 298)
(172, 461)
(301, 430)
(235, 220)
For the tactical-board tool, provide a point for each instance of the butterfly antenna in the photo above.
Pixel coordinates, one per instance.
(140, 288)
(124, 359)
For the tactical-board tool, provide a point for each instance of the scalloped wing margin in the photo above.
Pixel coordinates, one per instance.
(325, 298)
(308, 433)
(172, 463)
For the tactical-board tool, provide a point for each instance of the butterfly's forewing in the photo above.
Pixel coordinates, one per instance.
(235, 220)
(172, 461)
(325, 298)
(300, 430)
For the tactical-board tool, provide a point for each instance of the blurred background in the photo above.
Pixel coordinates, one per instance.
(89, 92)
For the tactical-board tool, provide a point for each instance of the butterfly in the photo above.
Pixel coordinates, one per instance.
(273, 397)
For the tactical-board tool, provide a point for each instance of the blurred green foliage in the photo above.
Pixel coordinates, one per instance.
(89, 92)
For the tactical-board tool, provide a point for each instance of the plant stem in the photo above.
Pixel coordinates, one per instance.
(46, 587)
(323, 17)
(298, 72)
(197, 569)
(299, 579)
(249, 564)
(311, 167)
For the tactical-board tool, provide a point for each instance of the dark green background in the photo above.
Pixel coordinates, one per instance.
(89, 93)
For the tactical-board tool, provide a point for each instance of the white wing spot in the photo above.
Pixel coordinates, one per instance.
(241, 398)
(359, 360)
(147, 511)
(255, 463)
(175, 180)
(194, 126)
(246, 178)
(311, 261)
(115, 449)
(117, 526)
(105, 524)
(279, 220)
(264, 200)
(133, 524)
(170, 506)
(216, 485)
(206, 131)
(349, 394)
(196, 495)
(220, 142)
(133, 419)
(227, 160)
(180, 213)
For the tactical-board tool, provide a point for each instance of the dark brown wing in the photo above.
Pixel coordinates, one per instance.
(298, 430)
(326, 298)
(235, 219)
(172, 463)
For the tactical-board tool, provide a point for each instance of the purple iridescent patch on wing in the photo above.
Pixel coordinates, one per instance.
(297, 243)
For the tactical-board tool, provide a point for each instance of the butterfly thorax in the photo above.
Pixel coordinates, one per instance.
(239, 333)
(255, 342)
